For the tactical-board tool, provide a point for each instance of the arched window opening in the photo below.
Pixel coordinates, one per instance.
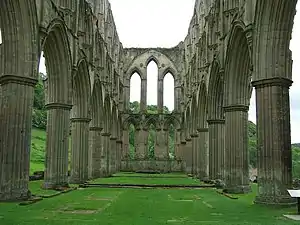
(135, 93)
(294, 95)
(151, 141)
(168, 93)
(152, 78)
(131, 141)
(171, 141)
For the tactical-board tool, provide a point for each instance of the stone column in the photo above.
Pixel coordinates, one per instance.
(161, 146)
(160, 95)
(195, 154)
(95, 142)
(274, 140)
(79, 150)
(119, 152)
(188, 156)
(177, 148)
(125, 149)
(236, 149)
(177, 97)
(112, 168)
(203, 153)
(140, 148)
(143, 104)
(57, 145)
(104, 168)
(16, 100)
(216, 129)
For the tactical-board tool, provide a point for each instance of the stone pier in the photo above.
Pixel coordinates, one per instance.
(236, 149)
(195, 152)
(141, 139)
(161, 145)
(15, 136)
(203, 154)
(57, 145)
(112, 164)
(274, 144)
(80, 150)
(216, 128)
(188, 155)
(95, 148)
(104, 163)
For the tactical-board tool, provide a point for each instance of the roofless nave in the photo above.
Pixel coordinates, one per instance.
(231, 46)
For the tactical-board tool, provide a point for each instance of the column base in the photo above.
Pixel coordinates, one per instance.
(49, 186)
(241, 189)
(77, 181)
(15, 197)
(275, 201)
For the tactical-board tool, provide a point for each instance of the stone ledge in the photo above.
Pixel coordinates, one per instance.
(236, 108)
(96, 128)
(215, 121)
(80, 120)
(270, 82)
(105, 134)
(202, 130)
(28, 81)
(58, 106)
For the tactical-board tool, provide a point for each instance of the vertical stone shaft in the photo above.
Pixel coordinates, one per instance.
(125, 150)
(216, 128)
(188, 156)
(236, 149)
(203, 153)
(57, 145)
(112, 156)
(105, 138)
(95, 142)
(177, 148)
(143, 105)
(274, 140)
(195, 153)
(15, 132)
(161, 147)
(80, 150)
(160, 95)
(118, 156)
(140, 147)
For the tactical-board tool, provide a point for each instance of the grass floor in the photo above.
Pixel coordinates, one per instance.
(142, 207)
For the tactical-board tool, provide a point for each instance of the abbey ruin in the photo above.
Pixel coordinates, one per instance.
(232, 47)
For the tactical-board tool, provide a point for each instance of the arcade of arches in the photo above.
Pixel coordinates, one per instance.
(231, 47)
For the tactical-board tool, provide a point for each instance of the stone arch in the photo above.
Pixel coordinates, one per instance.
(171, 120)
(130, 120)
(17, 33)
(97, 106)
(81, 91)
(215, 92)
(237, 76)
(202, 106)
(151, 120)
(107, 115)
(150, 59)
(58, 63)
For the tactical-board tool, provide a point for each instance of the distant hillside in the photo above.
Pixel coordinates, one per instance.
(296, 145)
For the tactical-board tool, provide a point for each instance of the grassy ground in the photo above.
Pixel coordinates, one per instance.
(142, 206)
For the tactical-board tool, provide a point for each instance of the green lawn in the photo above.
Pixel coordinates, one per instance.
(142, 207)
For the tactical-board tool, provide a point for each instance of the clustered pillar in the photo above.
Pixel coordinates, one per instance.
(274, 143)
(15, 133)
(79, 150)
(105, 139)
(236, 149)
(95, 142)
(216, 129)
(203, 153)
(57, 145)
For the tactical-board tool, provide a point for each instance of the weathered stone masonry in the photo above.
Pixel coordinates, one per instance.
(231, 47)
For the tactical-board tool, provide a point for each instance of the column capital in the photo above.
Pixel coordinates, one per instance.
(202, 130)
(119, 142)
(183, 142)
(58, 106)
(236, 108)
(274, 81)
(188, 139)
(105, 134)
(96, 128)
(215, 121)
(80, 120)
(113, 138)
(11, 78)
